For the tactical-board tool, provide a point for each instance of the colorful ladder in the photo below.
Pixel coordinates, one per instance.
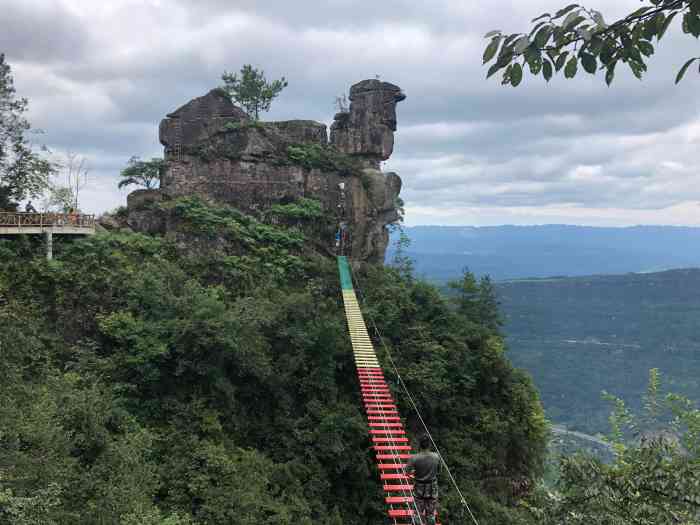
(392, 447)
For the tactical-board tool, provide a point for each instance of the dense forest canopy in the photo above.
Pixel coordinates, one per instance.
(580, 336)
(207, 378)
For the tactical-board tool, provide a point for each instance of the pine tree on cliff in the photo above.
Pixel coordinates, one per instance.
(252, 90)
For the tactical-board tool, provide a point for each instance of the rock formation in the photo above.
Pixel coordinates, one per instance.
(367, 130)
(215, 151)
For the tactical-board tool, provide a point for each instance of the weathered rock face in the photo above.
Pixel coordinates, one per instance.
(216, 152)
(144, 214)
(368, 128)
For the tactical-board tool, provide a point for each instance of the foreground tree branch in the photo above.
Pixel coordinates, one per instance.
(576, 36)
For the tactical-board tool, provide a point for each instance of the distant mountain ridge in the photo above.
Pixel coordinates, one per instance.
(512, 252)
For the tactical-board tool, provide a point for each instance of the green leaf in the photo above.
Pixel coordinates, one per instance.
(568, 8)
(510, 39)
(545, 15)
(692, 23)
(633, 53)
(650, 29)
(595, 45)
(561, 60)
(571, 68)
(574, 22)
(542, 36)
(547, 69)
(492, 33)
(493, 69)
(607, 52)
(636, 68)
(665, 24)
(590, 64)
(638, 31)
(685, 67)
(598, 18)
(521, 44)
(516, 75)
(659, 20)
(584, 33)
(506, 75)
(537, 26)
(491, 49)
(534, 61)
(646, 48)
(505, 56)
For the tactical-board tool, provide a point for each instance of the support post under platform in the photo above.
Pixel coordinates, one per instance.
(48, 234)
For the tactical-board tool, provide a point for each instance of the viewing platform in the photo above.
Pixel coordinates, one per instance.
(18, 223)
(47, 224)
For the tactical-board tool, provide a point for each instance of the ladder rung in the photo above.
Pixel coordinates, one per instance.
(397, 488)
(398, 513)
(402, 477)
(398, 499)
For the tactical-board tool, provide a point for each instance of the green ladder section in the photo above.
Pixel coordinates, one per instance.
(344, 270)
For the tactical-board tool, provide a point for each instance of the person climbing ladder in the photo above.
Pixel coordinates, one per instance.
(425, 467)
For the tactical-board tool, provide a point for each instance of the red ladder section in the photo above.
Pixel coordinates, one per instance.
(391, 446)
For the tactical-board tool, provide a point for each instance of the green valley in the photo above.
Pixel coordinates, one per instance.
(580, 336)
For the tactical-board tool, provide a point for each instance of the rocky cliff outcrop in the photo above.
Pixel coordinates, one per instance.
(367, 130)
(215, 151)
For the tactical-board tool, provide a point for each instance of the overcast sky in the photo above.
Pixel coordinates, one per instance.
(101, 74)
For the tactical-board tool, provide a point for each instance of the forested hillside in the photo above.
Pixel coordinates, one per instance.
(206, 377)
(580, 336)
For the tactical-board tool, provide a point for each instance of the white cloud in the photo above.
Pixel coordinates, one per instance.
(102, 74)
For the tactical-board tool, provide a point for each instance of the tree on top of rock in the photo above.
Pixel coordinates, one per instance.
(252, 90)
(146, 173)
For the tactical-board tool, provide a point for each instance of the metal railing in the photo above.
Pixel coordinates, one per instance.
(33, 220)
